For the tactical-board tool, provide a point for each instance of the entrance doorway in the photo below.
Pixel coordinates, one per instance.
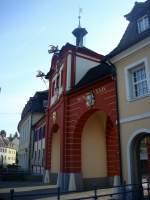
(139, 151)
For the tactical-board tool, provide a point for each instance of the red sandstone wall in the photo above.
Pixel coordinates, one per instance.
(72, 114)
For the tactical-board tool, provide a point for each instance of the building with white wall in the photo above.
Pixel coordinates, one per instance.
(31, 114)
(7, 153)
(7, 156)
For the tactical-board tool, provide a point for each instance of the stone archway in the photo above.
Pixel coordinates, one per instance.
(55, 154)
(98, 150)
(93, 147)
(133, 154)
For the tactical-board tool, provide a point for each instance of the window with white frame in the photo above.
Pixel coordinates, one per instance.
(137, 80)
(143, 23)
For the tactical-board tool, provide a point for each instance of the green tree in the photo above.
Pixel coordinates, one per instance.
(3, 132)
(10, 137)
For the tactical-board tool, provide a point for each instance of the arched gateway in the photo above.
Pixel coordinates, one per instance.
(139, 156)
(84, 116)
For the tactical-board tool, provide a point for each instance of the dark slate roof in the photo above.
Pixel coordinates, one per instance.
(96, 73)
(131, 35)
(138, 10)
(35, 103)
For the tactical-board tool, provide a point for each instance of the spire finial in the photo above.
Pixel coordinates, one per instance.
(79, 17)
(79, 32)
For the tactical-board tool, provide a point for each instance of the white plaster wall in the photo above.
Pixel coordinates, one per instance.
(68, 72)
(36, 117)
(23, 153)
(9, 155)
(82, 66)
(56, 95)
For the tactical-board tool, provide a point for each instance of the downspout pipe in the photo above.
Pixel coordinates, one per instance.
(114, 72)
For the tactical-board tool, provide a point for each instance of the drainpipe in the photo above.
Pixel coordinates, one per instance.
(118, 118)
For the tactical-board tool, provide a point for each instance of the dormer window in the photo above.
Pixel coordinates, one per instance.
(143, 23)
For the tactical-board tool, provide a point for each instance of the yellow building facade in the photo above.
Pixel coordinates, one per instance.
(132, 61)
(7, 156)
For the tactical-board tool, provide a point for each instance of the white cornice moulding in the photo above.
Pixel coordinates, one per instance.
(131, 50)
(135, 117)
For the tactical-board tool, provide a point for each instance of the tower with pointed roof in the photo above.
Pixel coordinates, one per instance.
(79, 33)
(80, 119)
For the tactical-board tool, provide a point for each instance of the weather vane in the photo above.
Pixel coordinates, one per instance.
(79, 17)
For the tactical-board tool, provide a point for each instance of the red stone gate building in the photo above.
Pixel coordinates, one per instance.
(82, 139)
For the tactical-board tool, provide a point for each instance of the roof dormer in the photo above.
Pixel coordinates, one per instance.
(139, 10)
(138, 28)
(140, 16)
(143, 23)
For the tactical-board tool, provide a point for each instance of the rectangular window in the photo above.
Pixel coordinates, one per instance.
(143, 23)
(57, 82)
(39, 154)
(62, 77)
(137, 80)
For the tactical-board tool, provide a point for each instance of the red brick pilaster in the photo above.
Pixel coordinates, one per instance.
(112, 146)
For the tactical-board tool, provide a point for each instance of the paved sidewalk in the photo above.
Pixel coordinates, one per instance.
(87, 194)
(22, 188)
(25, 187)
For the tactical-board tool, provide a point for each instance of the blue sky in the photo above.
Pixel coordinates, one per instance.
(27, 27)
